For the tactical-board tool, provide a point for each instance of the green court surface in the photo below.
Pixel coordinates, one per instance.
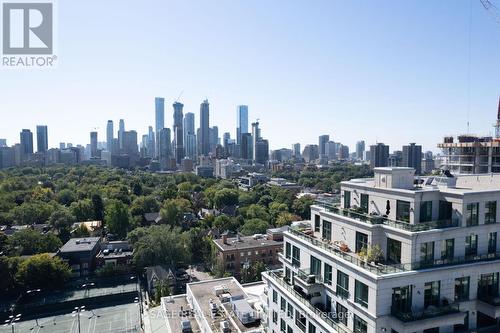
(115, 319)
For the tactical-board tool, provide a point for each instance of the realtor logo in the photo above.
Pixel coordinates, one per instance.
(27, 28)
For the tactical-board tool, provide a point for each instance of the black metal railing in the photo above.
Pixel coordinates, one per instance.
(430, 312)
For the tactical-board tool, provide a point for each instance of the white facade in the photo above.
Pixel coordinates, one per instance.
(438, 263)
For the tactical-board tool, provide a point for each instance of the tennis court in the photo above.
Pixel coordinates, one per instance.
(115, 319)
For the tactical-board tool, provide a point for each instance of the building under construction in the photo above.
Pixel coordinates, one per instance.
(470, 154)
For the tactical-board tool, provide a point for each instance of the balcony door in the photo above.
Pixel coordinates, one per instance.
(488, 285)
(401, 299)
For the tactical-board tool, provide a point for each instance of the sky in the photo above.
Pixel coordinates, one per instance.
(381, 71)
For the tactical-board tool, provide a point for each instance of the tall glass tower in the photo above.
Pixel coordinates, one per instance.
(242, 125)
(159, 121)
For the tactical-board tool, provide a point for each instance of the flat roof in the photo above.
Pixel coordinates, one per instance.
(80, 244)
(246, 242)
(177, 310)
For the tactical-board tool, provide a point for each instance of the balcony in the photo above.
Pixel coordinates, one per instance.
(378, 219)
(489, 305)
(310, 284)
(432, 316)
(317, 308)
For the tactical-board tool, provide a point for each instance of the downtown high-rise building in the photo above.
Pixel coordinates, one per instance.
(26, 137)
(379, 155)
(360, 150)
(189, 136)
(159, 121)
(214, 138)
(242, 122)
(165, 153)
(93, 145)
(412, 157)
(121, 131)
(109, 136)
(296, 150)
(323, 139)
(204, 128)
(42, 138)
(151, 143)
(178, 132)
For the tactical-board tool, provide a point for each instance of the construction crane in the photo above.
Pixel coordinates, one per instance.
(492, 9)
(179, 97)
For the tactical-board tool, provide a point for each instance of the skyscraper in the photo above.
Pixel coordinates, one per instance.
(296, 150)
(214, 138)
(178, 132)
(246, 147)
(159, 121)
(412, 157)
(26, 137)
(204, 128)
(379, 155)
(360, 149)
(255, 139)
(323, 139)
(109, 136)
(151, 143)
(42, 139)
(242, 125)
(165, 154)
(189, 135)
(121, 131)
(93, 145)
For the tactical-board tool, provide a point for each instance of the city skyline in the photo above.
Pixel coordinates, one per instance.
(380, 64)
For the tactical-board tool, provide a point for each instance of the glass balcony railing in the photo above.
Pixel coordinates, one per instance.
(276, 277)
(378, 219)
(489, 299)
(430, 312)
(306, 276)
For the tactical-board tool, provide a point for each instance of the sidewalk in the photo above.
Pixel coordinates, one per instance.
(154, 321)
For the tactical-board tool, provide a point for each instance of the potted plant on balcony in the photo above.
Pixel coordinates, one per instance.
(371, 254)
(344, 247)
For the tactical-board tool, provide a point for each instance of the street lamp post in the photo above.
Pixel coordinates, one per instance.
(76, 312)
(13, 319)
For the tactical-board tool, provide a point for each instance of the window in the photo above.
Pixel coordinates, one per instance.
(432, 330)
(432, 292)
(488, 286)
(288, 274)
(471, 245)
(282, 326)
(447, 249)
(360, 325)
(490, 214)
(472, 214)
(289, 329)
(361, 293)
(317, 222)
(401, 299)
(288, 250)
(492, 242)
(347, 199)
(275, 317)
(315, 266)
(445, 210)
(289, 310)
(393, 251)
(341, 313)
(295, 256)
(427, 253)
(342, 285)
(328, 274)
(283, 304)
(311, 329)
(327, 230)
(364, 203)
(361, 241)
(300, 321)
(275, 297)
(462, 289)
(426, 211)
(403, 211)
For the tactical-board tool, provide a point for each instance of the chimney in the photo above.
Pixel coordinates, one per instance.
(224, 238)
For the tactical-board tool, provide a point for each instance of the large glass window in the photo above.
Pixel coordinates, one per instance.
(317, 222)
(342, 313)
(472, 214)
(315, 266)
(283, 304)
(311, 329)
(328, 274)
(490, 213)
(347, 199)
(427, 253)
(295, 256)
(300, 321)
(462, 286)
(401, 299)
(488, 285)
(447, 249)
(327, 230)
(342, 284)
(403, 211)
(275, 297)
(426, 211)
(288, 250)
(361, 293)
(393, 251)
(361, 241)
(432, 293)
(492, 242)
(360, 325)
(445, 210)
(471, 245)
(282, 326)
(365, 203)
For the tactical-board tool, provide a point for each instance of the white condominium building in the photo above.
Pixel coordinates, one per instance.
(399, 254)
